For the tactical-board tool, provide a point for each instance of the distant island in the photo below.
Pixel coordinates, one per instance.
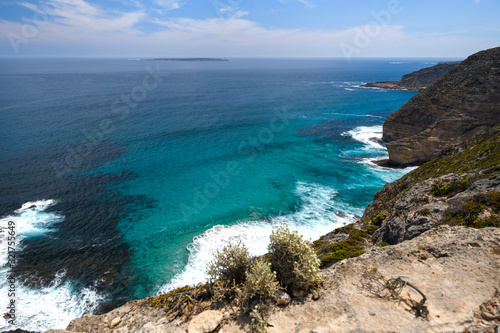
(191, 59)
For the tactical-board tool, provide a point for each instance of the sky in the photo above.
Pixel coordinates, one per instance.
(248, 28)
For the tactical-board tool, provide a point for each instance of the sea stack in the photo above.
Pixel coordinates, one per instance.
(462, 103)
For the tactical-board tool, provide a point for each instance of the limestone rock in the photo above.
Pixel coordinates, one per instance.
(282, 298)
(418, 210)
(315, 295)
(205, 322)
(459, 105)
(131, 317)
(115, 322)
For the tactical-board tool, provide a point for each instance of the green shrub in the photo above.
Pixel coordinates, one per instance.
(493, 201)
(377, 220)
(490, 221)
(370, 229)
(350, 247)
(464, 184)
(440, 190)
(260, 284)
(340, 251)
(259, 319)
(227, 271)
(294, 259)
(469, 212)
(425, 211)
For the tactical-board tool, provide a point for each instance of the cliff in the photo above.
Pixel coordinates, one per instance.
(459, 105)
(417, 81)
(461, 187)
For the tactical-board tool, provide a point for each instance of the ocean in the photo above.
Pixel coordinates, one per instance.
(120, 177)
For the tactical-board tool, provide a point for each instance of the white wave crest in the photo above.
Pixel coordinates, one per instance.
(370, 136)
(316, 217)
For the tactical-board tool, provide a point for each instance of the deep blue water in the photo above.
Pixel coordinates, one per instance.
(123, 176)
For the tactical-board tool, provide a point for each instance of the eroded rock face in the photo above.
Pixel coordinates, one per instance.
(419, 210)
(462, 103)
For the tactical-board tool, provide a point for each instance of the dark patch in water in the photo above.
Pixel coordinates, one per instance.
(86, 245)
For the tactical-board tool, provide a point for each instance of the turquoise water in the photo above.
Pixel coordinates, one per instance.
(136, 171)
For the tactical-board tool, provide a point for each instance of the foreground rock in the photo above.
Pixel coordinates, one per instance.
(416, 81)
(459, 105)
(456, 268)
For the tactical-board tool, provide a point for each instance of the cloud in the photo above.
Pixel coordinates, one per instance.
(169, 4)
(232, 12)
(307, 3)
(81, 29)
(78, 14)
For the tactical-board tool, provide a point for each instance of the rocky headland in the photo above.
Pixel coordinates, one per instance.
(416, 81)
(424, 257)
(462, 103)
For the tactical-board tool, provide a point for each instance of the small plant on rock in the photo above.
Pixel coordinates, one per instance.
(230, 263)
(377, 220)
(294, 259)
(227, 270)
(259, 320)
(260, 284)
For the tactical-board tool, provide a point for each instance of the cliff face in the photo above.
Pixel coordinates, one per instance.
(459, 105)
(461, 187)
(418, 80)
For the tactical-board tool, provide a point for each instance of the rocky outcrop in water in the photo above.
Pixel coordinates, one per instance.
(459, 105)
(417, 81)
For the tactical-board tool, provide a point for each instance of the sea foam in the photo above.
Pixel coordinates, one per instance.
(370, 137)
(317, 215)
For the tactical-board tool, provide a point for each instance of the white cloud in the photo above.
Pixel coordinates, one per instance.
(307, 3)
(80, 27)
(169, 4)
(78, 14)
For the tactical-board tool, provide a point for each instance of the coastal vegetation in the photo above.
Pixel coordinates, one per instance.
(251, 283)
